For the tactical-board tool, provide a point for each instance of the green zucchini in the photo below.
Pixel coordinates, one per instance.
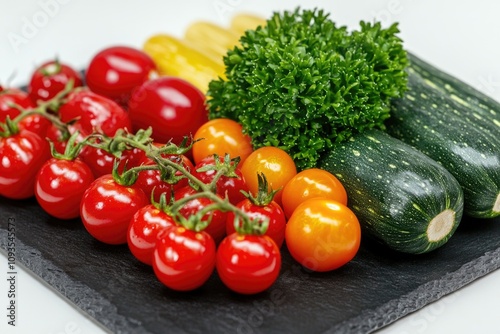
(401, 197)
(453, 132)
(481, 107)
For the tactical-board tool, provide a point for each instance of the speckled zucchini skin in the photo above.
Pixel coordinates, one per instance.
(440, 121)
(395, 190)
(483, 108)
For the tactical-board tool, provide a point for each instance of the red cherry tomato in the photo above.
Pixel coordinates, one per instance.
(183, 259)
(143, 231)
(248, 264)
(225, 185)
(94, 113)
(51, 78)
(54, 135)
(116, 71)
(13, 96)
(107, 208)
(101, 162)
(151, 181)
(33, 123)
(60, 185)
(21, 157)
(221, 136)
(174, 108)
(217, 219)
(271, 211)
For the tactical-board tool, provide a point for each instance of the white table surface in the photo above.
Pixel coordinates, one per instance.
(460, 37)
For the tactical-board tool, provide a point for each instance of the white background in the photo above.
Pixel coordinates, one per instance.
(460, 37)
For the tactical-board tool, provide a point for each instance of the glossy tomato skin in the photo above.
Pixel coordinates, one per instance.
(21, 157)
(322, 234)
(95, 113)
(274, 163)
(173, 107)
(51, 78)
(311, 183)
(13, 96)
(150, 180)
(143, 231)
(271, 211)
(107, 208)
(60, 185)
(54, 135)
(217, 226)
(35, 123)
(151, 183)
(102, 162)
(230, 186)
(221, 136)
(248, 264)
(116, 71)
(183, 259)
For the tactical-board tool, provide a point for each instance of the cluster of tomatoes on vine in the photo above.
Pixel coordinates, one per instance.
(134, 156)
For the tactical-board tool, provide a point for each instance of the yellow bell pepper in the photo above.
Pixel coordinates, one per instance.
(211, 39)
(244, 21)
(176, 58)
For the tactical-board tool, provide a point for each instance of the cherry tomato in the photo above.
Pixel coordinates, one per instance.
(248, 264)
(221, 136)
(143, 232)
(21, 157)
(116, 71)
(94, 113)
(217, 219)
(311, 183)
(51, 78)
(174, 108)
(54, 135)
(101, 162)
(150, 180)
(107, 208)
(35, 123)
(183, 259)
(13, 96)
(185, 162)
(271, 211)
(274, 163)
(60, 185)
(226, 185)
(323, 234)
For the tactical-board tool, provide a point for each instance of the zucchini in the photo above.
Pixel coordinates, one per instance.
(401, 197)
(484, 109)
(456, 134)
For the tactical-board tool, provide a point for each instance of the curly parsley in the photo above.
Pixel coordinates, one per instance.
(303, 84)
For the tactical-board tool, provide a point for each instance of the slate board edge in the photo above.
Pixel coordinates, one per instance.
(372, 320)
(91, 302)
(104, 312)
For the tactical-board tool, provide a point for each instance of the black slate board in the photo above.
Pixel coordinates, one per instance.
(372, 291)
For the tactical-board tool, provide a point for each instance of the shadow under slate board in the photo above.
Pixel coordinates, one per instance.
(375, 289)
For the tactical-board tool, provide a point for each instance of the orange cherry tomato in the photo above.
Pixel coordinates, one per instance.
(274, 163)
(322, 234)
(221, 136)
(311, 183)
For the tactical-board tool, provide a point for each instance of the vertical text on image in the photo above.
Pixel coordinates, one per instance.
(11, 272)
